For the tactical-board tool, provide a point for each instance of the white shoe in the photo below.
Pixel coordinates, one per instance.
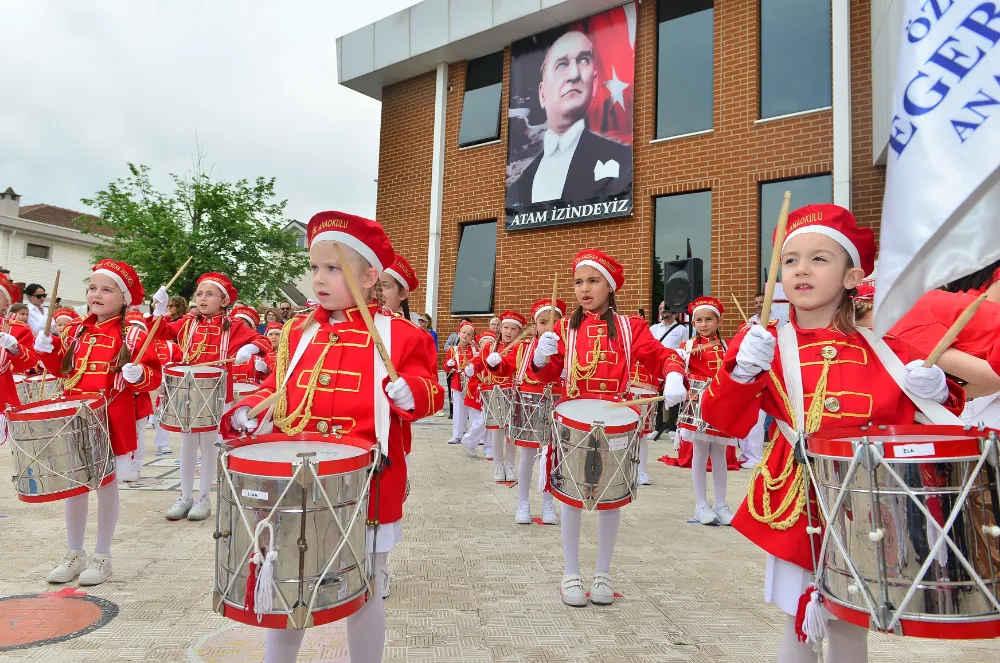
(650, 436)
(572, 591)
(180, 509)
(603, 592)
(201, 509)
(724, 514)
(471, 452)
(98, 570)
(454, 440)
(165, 449)
(73, 563)
(706, 515)
(510, 472)
(130, 471)
(523, 514)
(386, 589)
(498, 474)
(644, 479)
(749, 464)
(488, 453)
(549, 516)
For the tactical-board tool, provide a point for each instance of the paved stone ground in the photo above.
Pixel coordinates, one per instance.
(468, 585)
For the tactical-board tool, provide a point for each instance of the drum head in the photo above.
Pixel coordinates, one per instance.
(903, 442)
(56, 407)
(590, 410)
(18, 378)
(243, 388)
(642, 392)
(38, 378)
(280, 457)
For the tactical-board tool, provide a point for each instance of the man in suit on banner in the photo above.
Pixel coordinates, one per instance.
(576, 164)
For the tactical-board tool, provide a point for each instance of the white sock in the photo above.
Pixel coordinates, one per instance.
(75, 512)
(209, 458)
(571, 519)
(108, 510)
(282, 645)
(366, 627)
(189, 458)
(495, 439)
(161, 438)
(607, 534)
(847, 643)
(791, 650)
(720, 472)
(140, 440)
(546, 498)
(643, 454)
(524, 472)
(511, 452)
(458, 415)
(699, 473)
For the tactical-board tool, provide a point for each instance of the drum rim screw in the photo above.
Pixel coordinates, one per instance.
(992, 530)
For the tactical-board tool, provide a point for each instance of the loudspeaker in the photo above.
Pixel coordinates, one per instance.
(682, 283)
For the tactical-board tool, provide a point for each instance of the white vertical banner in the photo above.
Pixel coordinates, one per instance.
(941, 211)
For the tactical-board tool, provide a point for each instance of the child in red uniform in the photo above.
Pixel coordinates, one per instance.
(339, 349)
(273, 334)
(645, 379)
(252, 372)
(596, 346)
(17, 350)
(476, 434)
(455, 360)
(63, 317)
(206, 337)
(98, 354)
(511, 324)
(824, 257)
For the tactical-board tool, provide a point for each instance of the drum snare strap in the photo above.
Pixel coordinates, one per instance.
(383, 325)
(788, 347)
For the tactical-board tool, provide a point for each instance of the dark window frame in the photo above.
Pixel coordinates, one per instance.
(793, 206)
(760, 69)
(493, 283)
(656, 93)
(47, 247)
(480, 74)
(656, 265)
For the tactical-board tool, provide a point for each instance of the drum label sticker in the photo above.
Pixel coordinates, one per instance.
(618, 443)
(254, 494)
(914, 450)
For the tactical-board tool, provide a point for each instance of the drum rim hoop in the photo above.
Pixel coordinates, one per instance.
(18, 413)
(287, 468)
(622, 428)
(209, 371)
(923, 430)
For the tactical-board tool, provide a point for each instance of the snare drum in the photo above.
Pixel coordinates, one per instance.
(22, 389)
(265, 487)
(886, 490)
(496, 406)
(42, 387)
(647, 411)
(531, 416)
(243, 389)
(193, 398)
(61, 448)
(595, 455)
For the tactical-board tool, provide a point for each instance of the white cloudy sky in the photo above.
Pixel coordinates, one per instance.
(88, 85)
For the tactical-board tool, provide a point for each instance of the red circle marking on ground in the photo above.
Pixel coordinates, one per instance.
(27, 620)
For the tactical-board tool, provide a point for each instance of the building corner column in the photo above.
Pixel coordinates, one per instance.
(437, 193)
(842, 130)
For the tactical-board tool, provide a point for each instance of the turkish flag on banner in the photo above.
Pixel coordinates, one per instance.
(613, 35)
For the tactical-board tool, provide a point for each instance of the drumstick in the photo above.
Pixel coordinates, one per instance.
(772, 274)
(555, 288)
(352, 283)
(638, 401)
(520, 337)
(156, 323)
(213, 363)
(953, 331)
(264, 404)
(740, 309)
(52, 306)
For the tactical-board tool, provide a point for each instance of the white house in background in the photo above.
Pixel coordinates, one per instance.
(36, 240)
(298, 292)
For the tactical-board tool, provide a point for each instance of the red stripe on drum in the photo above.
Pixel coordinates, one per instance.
(914, 442)
(600, 506)
(193, 429)
(280, 621)
(206, 372)
(284, 468)
(587, 426)
(20, 414)
(527, 444)
(918, 628)
(63, 494)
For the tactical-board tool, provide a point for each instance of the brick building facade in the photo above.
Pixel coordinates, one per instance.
(732, 160)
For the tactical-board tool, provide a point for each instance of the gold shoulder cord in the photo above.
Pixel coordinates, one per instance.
(792, 470)
(74, 379)
(578, 372)
(282, 419)
(192, 356)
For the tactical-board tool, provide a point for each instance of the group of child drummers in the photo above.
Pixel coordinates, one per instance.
(335, 390)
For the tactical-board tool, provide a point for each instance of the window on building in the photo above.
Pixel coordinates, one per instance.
(795, 56)
(300, 240)
(805, 191)
(481, 103)
(38, 251)
(684, 67)
(680, 219)
(477, 252)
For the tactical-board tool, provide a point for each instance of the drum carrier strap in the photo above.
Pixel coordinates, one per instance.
(383, 325)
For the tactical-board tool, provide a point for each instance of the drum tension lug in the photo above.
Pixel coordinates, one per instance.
(303, 546)
(221, 535)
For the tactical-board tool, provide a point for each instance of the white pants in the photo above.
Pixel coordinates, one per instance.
(477, 430)
(753, 444)
(607, 535)
(458, 415)
(190, 444)
(75, 511)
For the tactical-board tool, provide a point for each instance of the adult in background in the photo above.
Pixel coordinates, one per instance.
(428, 326)
(177, 308)
(285, 310)
(670, 331)
(495, 325)
(37, 311)
(270, 315)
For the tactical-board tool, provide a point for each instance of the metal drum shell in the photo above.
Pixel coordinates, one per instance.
(496, 403)
(595, 466)
(71, 446)
(647, 411)
(531, 417)
(193, 400)
(343, 589)
(948, 602)
(31, 390)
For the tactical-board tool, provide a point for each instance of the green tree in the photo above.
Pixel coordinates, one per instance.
(231, 227)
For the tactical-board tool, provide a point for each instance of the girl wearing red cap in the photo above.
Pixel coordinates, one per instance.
(207, 336)
(511, 323)
(596, 346)
(273, 334)
(349, 392)
(476, 434)
(63, 317)
(515, 365)
(96, 355)
(17, 350)
(837, 379)
(455, 360)
(252, 372)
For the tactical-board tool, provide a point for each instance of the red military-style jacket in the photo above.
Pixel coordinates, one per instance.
(344, 392)
(202, 339)
(601, 367)
(432, 353)
(704, 364)
(95, 346)
(25, 359)
(858, 391)
(512, 366)
(461, 356)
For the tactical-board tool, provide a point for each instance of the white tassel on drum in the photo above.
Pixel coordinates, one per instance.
(263, 590)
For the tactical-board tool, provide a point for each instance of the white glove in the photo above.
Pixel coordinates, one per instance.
(260, 365)
(927, 383)
(494, 359)
(43, 343)
(400, 394)
(3, 429)
(683, 353)
(241, 420)
(160, 300)
(673, 389)
(9, 343)
(450, 363)
(755, 354)
(469, 370)
(548, 345)
(132, 373)
(246, 352)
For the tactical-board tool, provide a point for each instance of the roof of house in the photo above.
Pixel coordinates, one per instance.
(61, 217)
